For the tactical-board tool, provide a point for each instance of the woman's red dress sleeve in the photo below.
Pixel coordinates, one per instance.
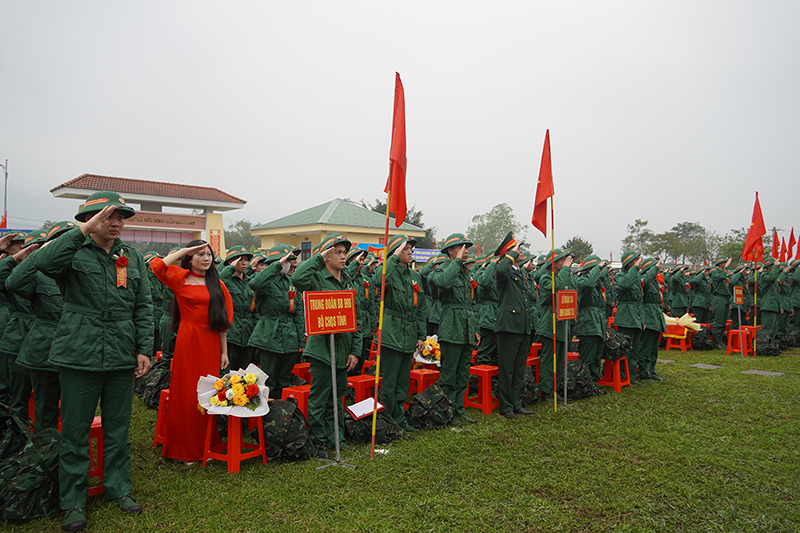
(172, 276)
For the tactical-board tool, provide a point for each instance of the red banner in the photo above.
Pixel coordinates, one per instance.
(567, 305)
(329, 311)
(213, 240)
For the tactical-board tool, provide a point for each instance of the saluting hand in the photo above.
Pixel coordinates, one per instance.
(6, 239)
(25, 252)
(96, 222)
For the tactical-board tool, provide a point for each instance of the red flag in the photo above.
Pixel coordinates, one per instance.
(775, 248)
(544, 189)
(783, 250)
(397, 157)
(753, 244)
(792, 242)
(3, 222)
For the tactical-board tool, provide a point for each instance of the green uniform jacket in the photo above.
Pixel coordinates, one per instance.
(544, 326)
(652, 315)
(278, 329)
(737, 280)
(488, 296)
(458, 322)
(592, 320)
(719, 283)
(156, 288)
(21, 319)
(242, 296)
(46, 301)
(678, 291)
(403, 322)
(311, 275)
(784, 292)
(362, 286)
(103, 326)
(768, 291)
(702, 291)
(795, 276)
(629, 298)
(434, 304)
(513, 309)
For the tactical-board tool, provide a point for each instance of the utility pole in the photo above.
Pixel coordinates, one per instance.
(5, 190)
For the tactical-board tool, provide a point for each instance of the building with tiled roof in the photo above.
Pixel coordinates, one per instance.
(305, 229)
(151, 222)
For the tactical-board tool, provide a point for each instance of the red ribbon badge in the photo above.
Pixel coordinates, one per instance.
(122, 272)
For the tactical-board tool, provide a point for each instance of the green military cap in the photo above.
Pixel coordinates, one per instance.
(439, 260)
(354, 253)
(508, 243)
(720, 260)
(397, 241)
(331, 240)
(629, 257)
(455, 239)
(647, 263)
(35, 237)
(18, 236)
(174, 249)
(98, 200)
(260, 256)
(151, 255)
(217, 259)
(738, 268)
(588, 263)
(59, 228)
(524, 257)
(277, 252)
(557, 255)
(678, 267)
(541, 260)
(481, 260)
(237, 251)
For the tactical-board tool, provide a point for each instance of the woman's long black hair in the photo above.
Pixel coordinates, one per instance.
(217, 312)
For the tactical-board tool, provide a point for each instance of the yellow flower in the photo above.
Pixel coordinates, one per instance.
(218, 385)
(250, 378)
(436, 345)
(238, 389)
(214, 400)
(426, 352)
(223, 403)
(236, 378)
(240, 399)
(438, 356)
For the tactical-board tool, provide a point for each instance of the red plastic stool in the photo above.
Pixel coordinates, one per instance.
(421, 379)
(231, 452)
(571, 356)
(299, 393)
(474, 358)
(751, 337)
(160, 436)
(535, 347)
(362, 385)
(96, 467)
(738, 342)
(484, 400)
(303, 371)
(612, 374)
(535, 362)
(677, 338)
(366, 365)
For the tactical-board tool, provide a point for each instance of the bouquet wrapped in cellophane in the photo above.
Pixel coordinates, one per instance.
(241, 393)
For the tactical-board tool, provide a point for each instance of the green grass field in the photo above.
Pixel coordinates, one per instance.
(705, 450)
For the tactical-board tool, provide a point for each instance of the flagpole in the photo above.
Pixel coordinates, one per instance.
(553, 297)
(380, 322)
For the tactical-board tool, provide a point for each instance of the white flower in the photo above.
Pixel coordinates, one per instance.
(229, 394)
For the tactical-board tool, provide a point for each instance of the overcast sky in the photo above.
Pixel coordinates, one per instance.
(670, 112)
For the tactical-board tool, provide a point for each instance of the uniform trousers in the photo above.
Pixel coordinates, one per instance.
(648, 352)
(720, 317)
(546, 366)
(46, 394)
(80, 391)
(512, 354)
(633, 356)
(591, 350)
(278, 368)
(396, 374)
(320, 402)
(487, 349)
(454, 376)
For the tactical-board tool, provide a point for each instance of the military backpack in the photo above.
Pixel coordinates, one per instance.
(616, 346)
(430, 409)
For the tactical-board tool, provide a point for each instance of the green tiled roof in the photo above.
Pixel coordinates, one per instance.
(337, 213)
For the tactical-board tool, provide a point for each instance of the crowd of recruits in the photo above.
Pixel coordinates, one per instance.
(498, 302)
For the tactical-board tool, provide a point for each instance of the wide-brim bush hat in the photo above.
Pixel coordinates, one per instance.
(98, 200)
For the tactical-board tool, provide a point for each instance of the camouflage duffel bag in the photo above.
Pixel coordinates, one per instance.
(28, 471)
(766, 344)
(530, 390)
(286, 434)
(617, 346)
(579, 381)
(792, 337)
(702, 340)
(386, 429)
(430, 409)
(151, 385)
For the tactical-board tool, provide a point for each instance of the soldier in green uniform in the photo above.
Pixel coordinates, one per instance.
(240, 355)
(679, 305)
(46, 303)
(156, 289)
(404, 327)
(279, 336)
(592, 327)
(653, 323)
(17, 328)
(720, 297)
(556, 267)
(512, 327)
(168, 336)
(458, 327)
(10, 244)
(102, 342)
(701, 302)
(769, 304)
(794, 276)
(360, 277)
(487, 314)
(324, 271)
(737, 279)
(435, 305)
(628, 319)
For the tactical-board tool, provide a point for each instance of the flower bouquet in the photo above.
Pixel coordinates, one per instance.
(431, 353)
(242, 393)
